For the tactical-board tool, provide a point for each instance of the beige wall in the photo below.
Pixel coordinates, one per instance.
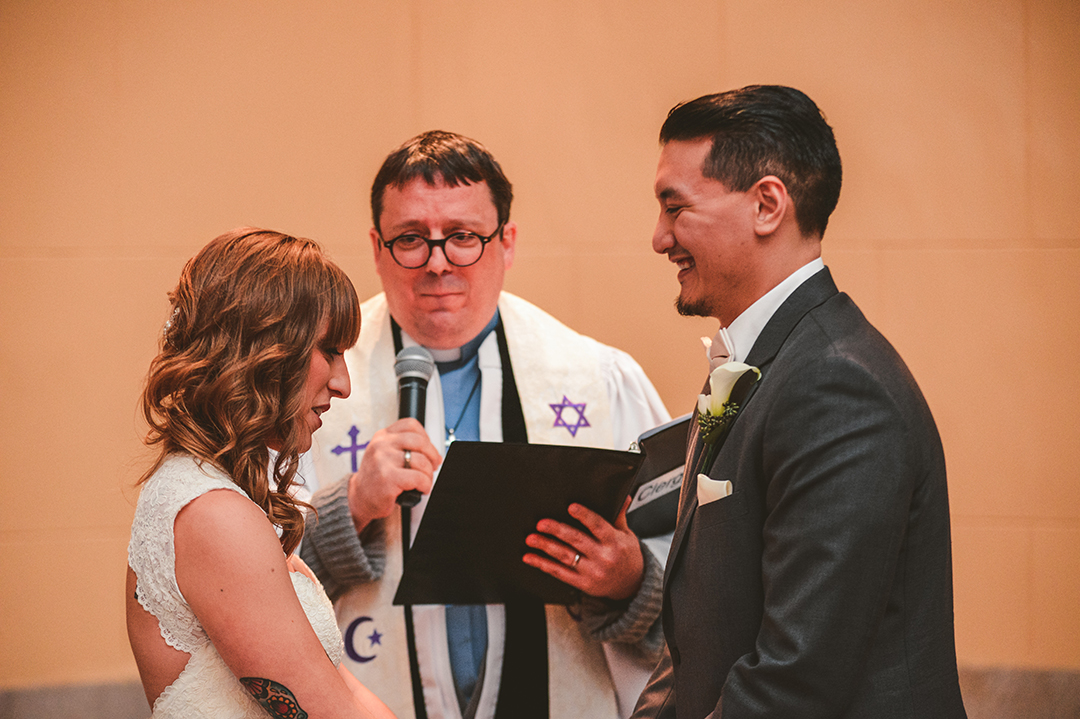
(132, 132)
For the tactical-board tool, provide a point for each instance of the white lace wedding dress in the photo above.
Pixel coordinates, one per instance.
(206, 688)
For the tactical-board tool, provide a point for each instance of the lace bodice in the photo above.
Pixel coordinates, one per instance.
(206, 687)
(152, 553)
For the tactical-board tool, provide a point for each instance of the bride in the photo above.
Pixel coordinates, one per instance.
(224, 621)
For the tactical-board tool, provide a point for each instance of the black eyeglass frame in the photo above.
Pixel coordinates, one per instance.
(441, 244)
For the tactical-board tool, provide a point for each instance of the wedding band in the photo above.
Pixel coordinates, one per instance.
(577, 558)
(408, 459)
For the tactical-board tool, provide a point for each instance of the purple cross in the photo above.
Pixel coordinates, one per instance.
(354, 432)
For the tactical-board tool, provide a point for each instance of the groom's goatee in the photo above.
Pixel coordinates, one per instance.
(691, 309)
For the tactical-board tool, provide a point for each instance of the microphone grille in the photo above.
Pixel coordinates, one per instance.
(414, 361)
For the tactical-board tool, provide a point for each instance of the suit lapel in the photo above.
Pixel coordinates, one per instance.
(815, 291)
(811, 293)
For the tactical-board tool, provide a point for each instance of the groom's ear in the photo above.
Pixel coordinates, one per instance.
(772, 203)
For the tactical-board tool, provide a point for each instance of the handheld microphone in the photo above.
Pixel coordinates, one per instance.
(413, 367)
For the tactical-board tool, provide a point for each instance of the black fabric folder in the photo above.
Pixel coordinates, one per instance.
(489, 497)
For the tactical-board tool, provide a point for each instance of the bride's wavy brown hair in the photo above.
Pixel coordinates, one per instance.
(230, 377)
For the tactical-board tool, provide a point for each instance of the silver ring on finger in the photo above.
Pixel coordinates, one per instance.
(573, 564)
(408, 458)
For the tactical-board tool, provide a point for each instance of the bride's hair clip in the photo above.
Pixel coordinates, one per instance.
(168, 327)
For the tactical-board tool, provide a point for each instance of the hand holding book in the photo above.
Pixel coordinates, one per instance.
(600, 559)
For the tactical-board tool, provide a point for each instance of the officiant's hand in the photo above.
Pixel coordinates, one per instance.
(383, 474)
(604, 561)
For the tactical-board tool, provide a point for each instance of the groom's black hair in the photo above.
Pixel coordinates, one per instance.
(764, 130)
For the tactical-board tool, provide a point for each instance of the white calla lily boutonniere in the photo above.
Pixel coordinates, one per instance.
(716, 411)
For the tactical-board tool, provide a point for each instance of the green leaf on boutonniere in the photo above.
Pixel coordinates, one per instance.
(716, 411)
(712, 426)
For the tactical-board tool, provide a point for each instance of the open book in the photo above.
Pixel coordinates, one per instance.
(490, 495)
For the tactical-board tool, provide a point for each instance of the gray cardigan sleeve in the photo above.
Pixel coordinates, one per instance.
(339, 556)
(632, 621)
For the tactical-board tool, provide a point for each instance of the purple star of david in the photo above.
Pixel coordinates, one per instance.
(560, 421)
(353, 448)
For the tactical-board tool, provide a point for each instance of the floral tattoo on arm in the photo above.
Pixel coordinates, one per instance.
(274, 698)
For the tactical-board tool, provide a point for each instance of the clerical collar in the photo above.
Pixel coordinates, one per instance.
(744, 329)
(451, 359)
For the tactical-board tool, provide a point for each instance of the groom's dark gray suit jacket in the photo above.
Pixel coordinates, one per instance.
(822, 586)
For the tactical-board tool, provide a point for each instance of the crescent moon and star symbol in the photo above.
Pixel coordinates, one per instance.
(375, 639)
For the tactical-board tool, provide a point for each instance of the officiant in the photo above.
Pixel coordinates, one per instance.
(506, 371)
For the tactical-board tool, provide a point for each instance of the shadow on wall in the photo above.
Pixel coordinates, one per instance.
(1016, 694)
(98, 701)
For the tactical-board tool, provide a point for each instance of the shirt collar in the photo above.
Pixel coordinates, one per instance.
(744, 329)
(451, 359)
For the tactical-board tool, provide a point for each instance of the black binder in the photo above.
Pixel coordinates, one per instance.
(489, 497)
(658, 480)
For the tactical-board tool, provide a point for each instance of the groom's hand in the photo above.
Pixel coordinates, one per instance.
(604, 560)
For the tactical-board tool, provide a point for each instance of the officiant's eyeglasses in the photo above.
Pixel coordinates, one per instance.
(461, 249)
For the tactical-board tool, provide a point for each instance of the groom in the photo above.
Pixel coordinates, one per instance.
(821, 584)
